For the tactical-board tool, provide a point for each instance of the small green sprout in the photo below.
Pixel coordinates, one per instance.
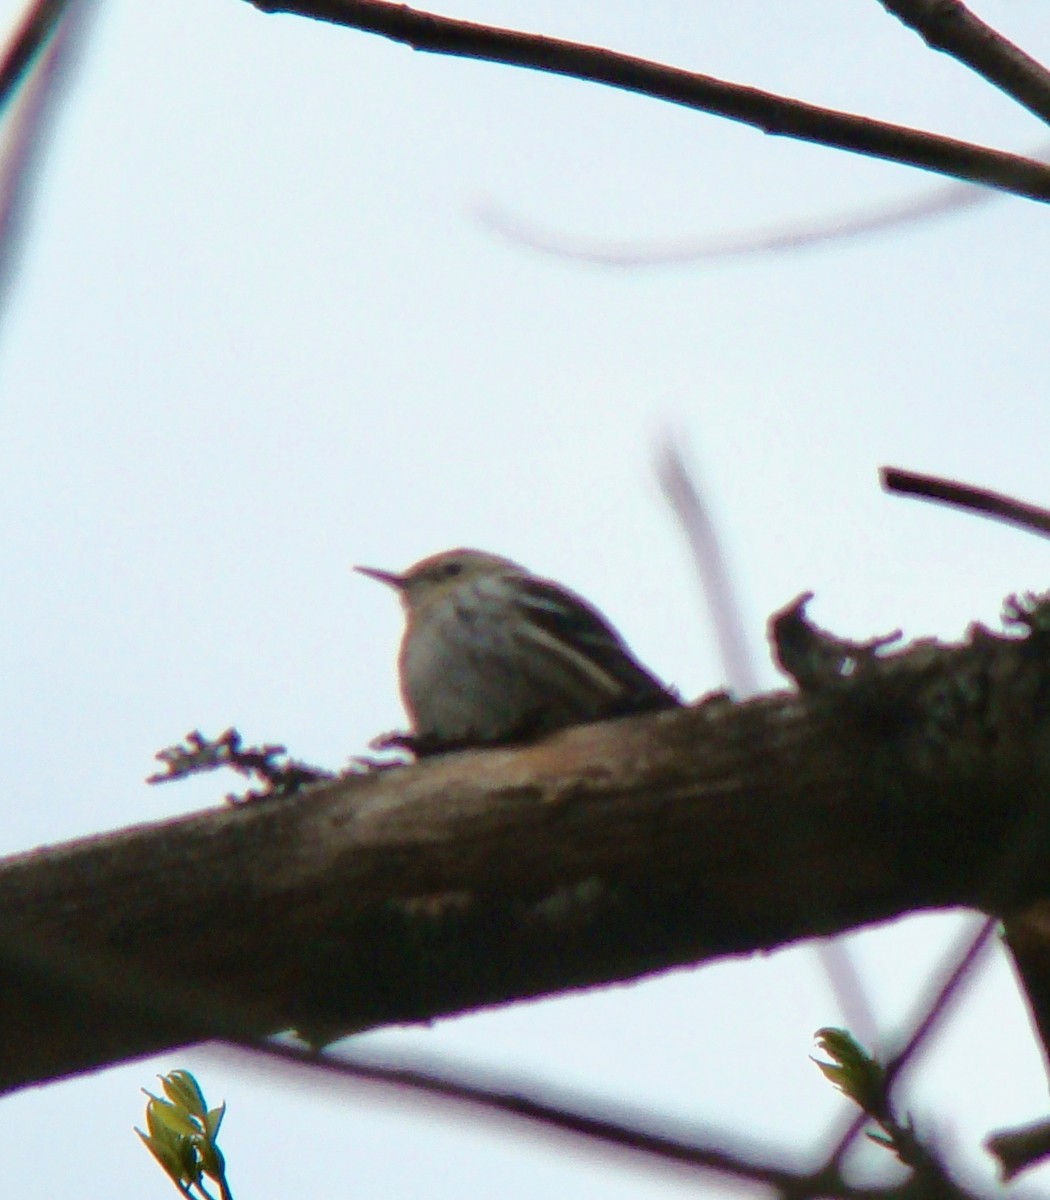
(182, 1136)
(852, 1070)
(864, 1080)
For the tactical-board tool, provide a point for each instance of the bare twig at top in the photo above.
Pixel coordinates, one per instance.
(767, 111)
(948, 25)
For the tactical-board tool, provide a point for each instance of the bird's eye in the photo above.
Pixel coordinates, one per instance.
(452, 568)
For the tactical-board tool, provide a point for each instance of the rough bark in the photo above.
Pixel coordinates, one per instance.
(603, 853)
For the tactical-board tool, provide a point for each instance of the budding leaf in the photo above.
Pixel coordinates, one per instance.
(165, 1154)
(182, 1133)
(852, 1070)
(212, 1121)
(183, 1090)
(163, 1114)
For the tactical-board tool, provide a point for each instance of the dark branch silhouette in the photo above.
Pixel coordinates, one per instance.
(968, 498)
(636, 1133)
(764, 110)
(950, 26)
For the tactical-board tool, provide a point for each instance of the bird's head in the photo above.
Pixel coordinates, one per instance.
(429, 580)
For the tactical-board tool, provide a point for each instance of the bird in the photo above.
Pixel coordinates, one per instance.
(492, 654)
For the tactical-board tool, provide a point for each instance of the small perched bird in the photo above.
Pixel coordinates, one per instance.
(494, 654)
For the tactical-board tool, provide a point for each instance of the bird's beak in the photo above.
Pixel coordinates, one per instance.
(387, 577)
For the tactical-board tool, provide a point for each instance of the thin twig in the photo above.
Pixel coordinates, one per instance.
(971, 499)
(924, 1022)
(948, 25)
(971, 948)
(746, 243)
(766, 111)
(39, 21)
(682, 493)
(684, 496)
(584, 1117)
(31, 123)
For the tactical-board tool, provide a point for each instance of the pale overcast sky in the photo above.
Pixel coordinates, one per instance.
(260, 334)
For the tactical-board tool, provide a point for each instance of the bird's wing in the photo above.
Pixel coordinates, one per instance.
(566, 623)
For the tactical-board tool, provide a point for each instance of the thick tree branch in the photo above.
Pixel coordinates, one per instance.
(764, 110)
(949, 25)
(603, 853)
